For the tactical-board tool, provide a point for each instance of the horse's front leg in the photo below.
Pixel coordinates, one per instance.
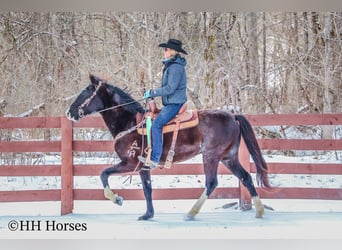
(147, 187)
(115, 198)
(108, 193)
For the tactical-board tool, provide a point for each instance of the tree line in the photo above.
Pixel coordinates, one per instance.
(258, 62)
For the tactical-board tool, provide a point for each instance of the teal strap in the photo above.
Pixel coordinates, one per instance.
(148, 130)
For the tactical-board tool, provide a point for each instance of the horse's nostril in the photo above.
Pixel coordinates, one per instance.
(68, 113)
(81, 113)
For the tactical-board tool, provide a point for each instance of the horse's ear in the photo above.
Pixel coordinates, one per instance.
(94, 80)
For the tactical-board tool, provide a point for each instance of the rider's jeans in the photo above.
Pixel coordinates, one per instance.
(166, 114)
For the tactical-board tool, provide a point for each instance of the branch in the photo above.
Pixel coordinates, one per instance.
(31, 111)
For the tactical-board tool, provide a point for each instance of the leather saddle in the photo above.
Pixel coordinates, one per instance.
(183, 120)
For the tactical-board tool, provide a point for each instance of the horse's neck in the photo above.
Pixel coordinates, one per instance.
(115, 123)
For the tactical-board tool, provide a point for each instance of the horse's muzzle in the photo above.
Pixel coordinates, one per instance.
(69, 116)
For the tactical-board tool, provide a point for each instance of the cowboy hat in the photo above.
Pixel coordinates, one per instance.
(173, 44)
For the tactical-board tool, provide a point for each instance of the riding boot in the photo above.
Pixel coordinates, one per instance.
(149, 165)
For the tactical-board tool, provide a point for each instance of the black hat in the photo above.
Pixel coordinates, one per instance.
(173, 44)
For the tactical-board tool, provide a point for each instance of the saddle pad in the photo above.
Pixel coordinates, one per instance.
(170, 127)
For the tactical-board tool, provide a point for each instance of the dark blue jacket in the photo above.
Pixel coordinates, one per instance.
(173, 88)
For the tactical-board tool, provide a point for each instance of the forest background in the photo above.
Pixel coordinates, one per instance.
(260, 62)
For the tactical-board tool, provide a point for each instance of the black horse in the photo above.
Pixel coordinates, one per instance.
(217, 138)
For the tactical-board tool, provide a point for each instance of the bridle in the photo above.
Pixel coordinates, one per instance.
(88, 100)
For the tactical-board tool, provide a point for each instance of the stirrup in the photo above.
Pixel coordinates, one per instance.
(148, 166)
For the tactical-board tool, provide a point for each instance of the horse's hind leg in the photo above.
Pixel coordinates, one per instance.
(235, 167)
(197, 206)
(210, 170)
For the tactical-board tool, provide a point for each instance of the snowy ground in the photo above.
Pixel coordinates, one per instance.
(291, 219)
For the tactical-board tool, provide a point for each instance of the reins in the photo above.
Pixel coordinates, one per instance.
(120, 105)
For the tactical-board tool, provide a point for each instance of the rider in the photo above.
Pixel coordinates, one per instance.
(173, 93)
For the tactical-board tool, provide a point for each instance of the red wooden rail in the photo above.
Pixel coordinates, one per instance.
(67, 170)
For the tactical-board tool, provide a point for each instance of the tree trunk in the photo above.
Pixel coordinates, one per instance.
(252, 61)
(328, 131)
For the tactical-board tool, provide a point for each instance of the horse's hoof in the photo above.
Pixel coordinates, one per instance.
(189, 217)
(259, 213)
(145, 217)
(259, 207)
(119, 200)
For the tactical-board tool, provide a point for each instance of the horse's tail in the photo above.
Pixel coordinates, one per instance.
(254, 149)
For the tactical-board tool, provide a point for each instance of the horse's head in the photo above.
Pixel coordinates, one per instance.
(100, 96)
(89, 101)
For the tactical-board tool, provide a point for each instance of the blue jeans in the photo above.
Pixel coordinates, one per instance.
(166, 114)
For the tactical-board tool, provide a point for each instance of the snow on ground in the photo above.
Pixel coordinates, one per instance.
(290, 220)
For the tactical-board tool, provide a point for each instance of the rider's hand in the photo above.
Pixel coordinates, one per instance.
(147, 94)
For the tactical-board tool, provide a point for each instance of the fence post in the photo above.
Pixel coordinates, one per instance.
(67, 199)
(245, 198)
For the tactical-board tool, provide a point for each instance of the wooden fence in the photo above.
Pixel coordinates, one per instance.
(66, 146)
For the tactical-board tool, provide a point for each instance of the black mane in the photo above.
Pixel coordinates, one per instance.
(126, 98)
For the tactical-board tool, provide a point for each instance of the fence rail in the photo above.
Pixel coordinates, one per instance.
(67, 169)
